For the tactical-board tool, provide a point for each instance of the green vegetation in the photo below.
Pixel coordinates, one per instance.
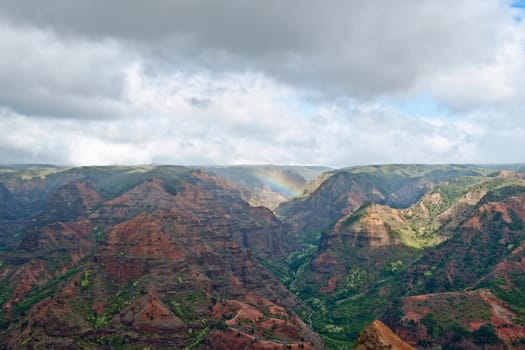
(26, 173)
(268, 334)
(475, 256)
(93, 282)
(339, 316)
(517, 222)
(123, 297)
(297, 261)
(279, 269)
(57, 262)
(186, 304)
(450, 191)
(355, 217)
(40, 293)
(504, 188)
(98, 234)
(514, 297)
(198, 339)
(369, 286)
(84, 283)
(367, 282)
(486, 334)
(417, 170)
(339, 322)
(355, 279)
(294, 265)
(5, 292)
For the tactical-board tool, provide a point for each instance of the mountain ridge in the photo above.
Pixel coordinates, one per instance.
(109, 255)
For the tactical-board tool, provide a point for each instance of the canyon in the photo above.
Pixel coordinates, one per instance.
(262, 257)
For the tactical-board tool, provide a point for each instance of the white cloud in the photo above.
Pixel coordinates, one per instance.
(308, 88)
(497, 83)
(182, 134)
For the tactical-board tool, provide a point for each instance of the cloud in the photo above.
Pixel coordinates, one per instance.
(41, 75)
(248, 123)
(235, 82)
(497, 83)
(342, 47)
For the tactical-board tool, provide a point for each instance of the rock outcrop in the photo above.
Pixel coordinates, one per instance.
(377, 336)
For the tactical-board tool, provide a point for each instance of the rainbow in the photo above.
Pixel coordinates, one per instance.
(280, 182)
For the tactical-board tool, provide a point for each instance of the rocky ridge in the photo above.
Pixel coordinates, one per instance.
(171, 257)
(174, 259)
(377, 336)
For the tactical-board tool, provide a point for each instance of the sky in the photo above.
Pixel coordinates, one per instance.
(333, 83)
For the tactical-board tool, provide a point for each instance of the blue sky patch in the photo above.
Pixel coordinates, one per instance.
(423, 105)
(519, 6)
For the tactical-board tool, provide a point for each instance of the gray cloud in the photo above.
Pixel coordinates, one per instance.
(199, 102)
(43, 76)
(346, 47)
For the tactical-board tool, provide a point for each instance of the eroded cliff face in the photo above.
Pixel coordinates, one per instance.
(161, 273)
(69, 202)
(471, 285)
(166, 257)
(164, 264)
(21, 199)
(359, 249)
(482, 240)
(215, 203)
(52, 242)
(371, 229)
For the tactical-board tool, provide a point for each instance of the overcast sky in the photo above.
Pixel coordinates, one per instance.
(334, 83)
